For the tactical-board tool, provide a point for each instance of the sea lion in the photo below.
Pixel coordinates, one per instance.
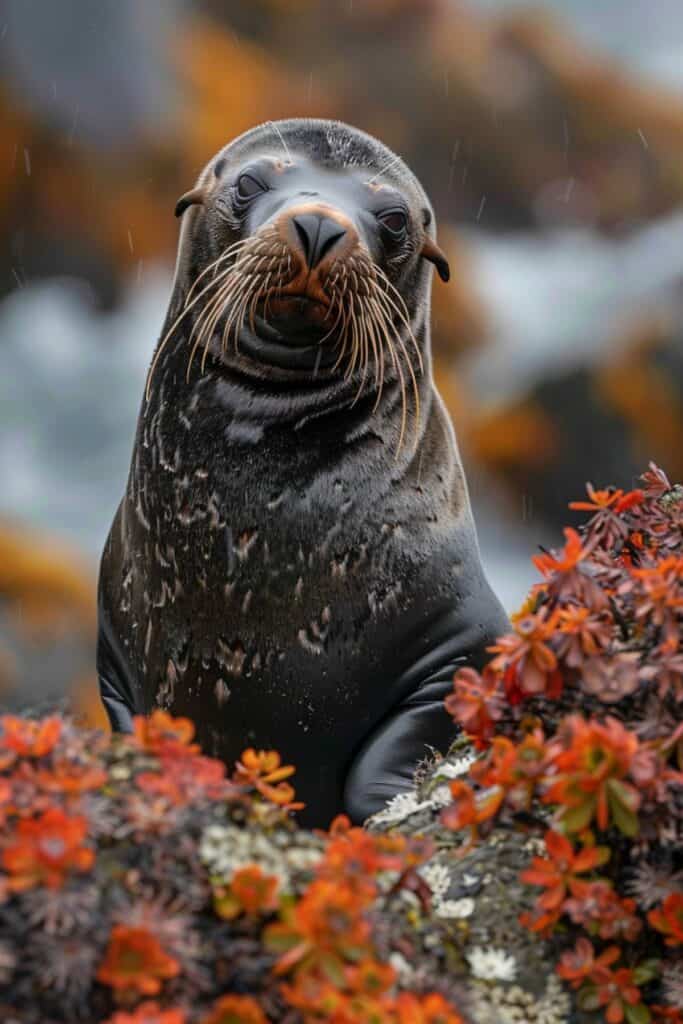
(294, 564)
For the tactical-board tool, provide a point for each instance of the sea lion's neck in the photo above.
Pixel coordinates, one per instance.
(254, 396)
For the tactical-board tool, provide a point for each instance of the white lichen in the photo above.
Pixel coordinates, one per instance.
(399, 808)
(454, 769)
(455, 909)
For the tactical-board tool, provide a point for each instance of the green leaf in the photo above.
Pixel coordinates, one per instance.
(333, 969)
(646, 971)
(575, 819)
(637, 1014)
(625, 820)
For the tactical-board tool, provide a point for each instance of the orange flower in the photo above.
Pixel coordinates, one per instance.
(429, 1009)
(251, 891)
(27, 738)
(668, 919)
(370, 977)
(135, 960)
(558, 872)
(612, 499)
(235, 1010)
(161, 731)
(148, 1013)
(71, 777)
(326, 926)
(591, 764)
(262, 770)
(585, 634)
(517, 769)
(569, 558)
(45, 849)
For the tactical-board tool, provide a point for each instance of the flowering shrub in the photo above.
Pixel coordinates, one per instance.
(139, 884)
(577, 720)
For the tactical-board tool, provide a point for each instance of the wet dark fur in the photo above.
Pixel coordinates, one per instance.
(278, 570)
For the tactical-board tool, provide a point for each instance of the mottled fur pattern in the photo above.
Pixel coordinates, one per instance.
(280, 569)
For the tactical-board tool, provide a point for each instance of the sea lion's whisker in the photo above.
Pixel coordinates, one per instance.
(226, 254)
(403, 312)
(279, 134)
(378, 350)
(162, 344)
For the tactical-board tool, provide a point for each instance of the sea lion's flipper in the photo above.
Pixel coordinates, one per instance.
(386, 763)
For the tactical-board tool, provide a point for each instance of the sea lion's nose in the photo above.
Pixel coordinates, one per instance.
(318, 234)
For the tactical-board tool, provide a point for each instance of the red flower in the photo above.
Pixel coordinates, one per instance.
(557, 873)
(666, 1015)
(135, 961)
(46, 849)
(186, 779)
(251, 891)
(515, 769)
(615, 990)
(27, 738)
(529, 664)
(148, 1013)
(235, 1010)
(70, 777)
(668, 919)
(476, 703)
(578, 964)
(597, 907)
(591, 762)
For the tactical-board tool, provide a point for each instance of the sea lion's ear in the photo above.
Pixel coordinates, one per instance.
(195, 195)
(431, 252)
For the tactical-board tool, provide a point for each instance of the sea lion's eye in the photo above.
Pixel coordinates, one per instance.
(395, 221)
(248, 186)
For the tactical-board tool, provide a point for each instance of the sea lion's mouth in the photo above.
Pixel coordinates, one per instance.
(297, 314)
(286, 344)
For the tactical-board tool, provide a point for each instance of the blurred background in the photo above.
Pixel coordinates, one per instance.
(551, 142)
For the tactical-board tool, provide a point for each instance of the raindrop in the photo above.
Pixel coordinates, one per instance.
(482, 204)
(27, 162)
(130, 241)
(643, 139)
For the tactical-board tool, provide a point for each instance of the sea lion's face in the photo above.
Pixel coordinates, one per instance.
(304, 262)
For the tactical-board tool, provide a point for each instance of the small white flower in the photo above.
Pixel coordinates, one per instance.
(454, 769)
(437, 878)
(402, 967)
(455, 908)
(492, 964)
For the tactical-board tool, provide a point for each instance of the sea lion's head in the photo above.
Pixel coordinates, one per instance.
(303, 249)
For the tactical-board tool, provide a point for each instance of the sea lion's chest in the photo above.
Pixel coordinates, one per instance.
(278, 555)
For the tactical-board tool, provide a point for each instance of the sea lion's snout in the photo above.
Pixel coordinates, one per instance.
(318, 234)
